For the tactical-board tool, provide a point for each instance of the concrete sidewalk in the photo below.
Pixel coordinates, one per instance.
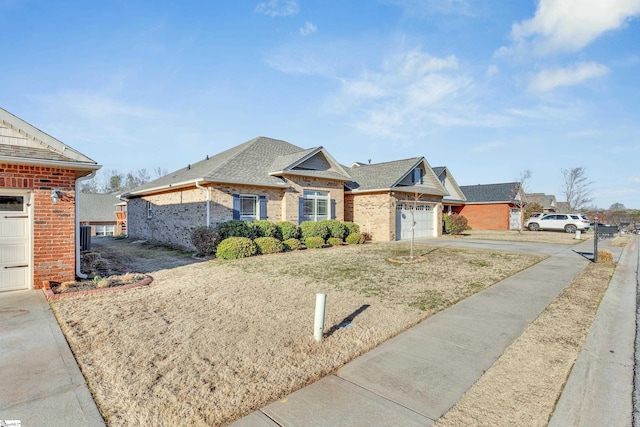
(414, 378)
(41, 382)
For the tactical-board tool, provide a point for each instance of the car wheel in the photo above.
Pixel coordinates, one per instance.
(570, 228)
(534, 226)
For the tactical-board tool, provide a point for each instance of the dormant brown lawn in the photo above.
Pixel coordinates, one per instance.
(209, 342)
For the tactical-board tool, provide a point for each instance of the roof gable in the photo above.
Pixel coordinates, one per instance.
(24, 143)
(394, 175)
(450, 184)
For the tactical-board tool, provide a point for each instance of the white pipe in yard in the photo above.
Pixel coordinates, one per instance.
(577, 234)
(318, 322)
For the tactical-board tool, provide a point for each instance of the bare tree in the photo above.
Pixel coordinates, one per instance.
(576, 188)
(159, 172)
(519, 194)
(617, 207)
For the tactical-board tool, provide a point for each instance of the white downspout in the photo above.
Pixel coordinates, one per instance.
(208, 190)
(77, 206)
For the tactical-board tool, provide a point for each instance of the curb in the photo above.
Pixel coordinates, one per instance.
(49, 294)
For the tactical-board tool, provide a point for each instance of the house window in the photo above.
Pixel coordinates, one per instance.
(11, 203)
(315, 205)
(417, 176)
(104, 230)
(149, 210)
(248, 207)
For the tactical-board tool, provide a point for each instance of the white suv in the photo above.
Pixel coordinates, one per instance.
(554, 221)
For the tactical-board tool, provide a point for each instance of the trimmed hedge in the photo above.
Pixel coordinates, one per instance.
(205, 239)
(335, 241)
(288, 230)
(268, 245)
(266, 228)
(292, 244)
(237, 228)
(236, 247)
(314, 242)
(315, 229)
(352, 227)
(336, 228)
(355, 239)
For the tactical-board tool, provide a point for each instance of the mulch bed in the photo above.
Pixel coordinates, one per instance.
(54, 290)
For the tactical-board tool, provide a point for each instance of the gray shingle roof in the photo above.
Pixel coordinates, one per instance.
(485, 193)
(32, 153)
(250, 163)
(97, 207)
(387, 176)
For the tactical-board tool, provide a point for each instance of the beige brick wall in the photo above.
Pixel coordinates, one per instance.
(297, 185)
(375, 213)
(177, 213)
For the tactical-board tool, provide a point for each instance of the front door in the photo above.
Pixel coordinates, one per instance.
(15, 237)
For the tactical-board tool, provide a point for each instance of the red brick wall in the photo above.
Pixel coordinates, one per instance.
(53, 225)
(486, 216)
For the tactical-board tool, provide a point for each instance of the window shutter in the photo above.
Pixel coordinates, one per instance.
(300, 209)
(236, 206)
(333, 208)
(263, 207)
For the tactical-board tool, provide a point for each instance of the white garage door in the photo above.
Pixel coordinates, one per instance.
(424, 218)
(14, 242)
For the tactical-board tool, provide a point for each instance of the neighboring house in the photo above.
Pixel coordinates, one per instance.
(384, 199)
(547, 201)
(455, 198)
(99, 212)
(39, 231)
(271, 179)
(492, 206)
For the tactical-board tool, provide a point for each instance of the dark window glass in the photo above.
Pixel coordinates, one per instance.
(11, 203)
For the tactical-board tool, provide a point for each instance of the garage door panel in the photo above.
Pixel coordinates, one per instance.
(15, 238)
(423, 215)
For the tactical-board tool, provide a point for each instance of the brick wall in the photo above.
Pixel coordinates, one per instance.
(297, 185)
(487, 216)
(53, 225)
(375, 213)
(178, 212)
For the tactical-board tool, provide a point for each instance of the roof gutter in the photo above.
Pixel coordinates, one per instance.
(208, 191)
(57, 163)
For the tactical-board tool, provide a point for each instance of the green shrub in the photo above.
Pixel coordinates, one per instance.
(352, 227)
(236, 247)
(288, 230)
(336, 228)
(334, 241)
(454, 223)
(314, 229)
(266, 228)
(314, 242)
(292, 244)
(205, 239)
(355, 239)
(237, 228)
(268, 245)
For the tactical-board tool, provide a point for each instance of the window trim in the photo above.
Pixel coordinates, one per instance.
(256, 207)
(315, 196)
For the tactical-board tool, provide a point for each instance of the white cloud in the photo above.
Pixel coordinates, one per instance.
(569, 25)
(308, 28)
(409, 89)
(549, 79)
(278, 7)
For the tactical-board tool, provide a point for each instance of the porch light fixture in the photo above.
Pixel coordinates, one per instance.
(55, 196)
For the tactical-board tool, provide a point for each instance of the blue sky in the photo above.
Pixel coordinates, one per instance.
(488, 88)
